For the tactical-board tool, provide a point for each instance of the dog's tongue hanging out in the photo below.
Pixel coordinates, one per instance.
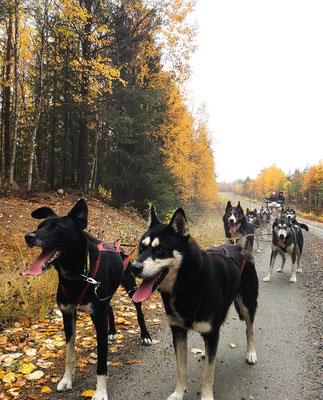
(144, 290)
(36, 267)
(233, 229)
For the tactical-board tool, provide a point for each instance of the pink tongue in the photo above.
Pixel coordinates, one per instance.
(233, 229)
(144, 290)
(36, 267)
(282, 241)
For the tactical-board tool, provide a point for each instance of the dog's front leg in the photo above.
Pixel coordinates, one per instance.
(69, 319)
(180, 346)
(211, 341)
(272, 262)
(100, 321)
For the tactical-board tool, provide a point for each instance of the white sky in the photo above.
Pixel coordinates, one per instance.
(259, 69)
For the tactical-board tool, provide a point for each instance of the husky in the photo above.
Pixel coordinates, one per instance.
(290, 214)
(286, 238)
(197, 288)
(237, 229)
(265, 220)
(89, 274)
(253, 219)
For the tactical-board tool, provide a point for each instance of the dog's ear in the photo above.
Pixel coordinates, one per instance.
(228, 205)
(43, 212)
(79, 214)
(247, 212)
(153, 219)
(255, 211)
(179, 223)
(239, 205)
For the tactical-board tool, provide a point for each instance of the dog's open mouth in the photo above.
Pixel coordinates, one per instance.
(148, 286)
(233, 228)
(281, 242)
(43, 262)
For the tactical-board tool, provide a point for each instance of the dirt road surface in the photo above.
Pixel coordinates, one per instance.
(288, 342)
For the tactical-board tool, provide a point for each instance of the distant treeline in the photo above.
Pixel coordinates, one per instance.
(92, 98)
(302, 187)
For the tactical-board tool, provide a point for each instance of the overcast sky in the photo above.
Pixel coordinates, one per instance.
(259, 69)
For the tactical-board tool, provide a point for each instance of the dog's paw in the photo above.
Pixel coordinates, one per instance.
(266, 279)
(176, 396)
(111, 337)
(100, 396)
(251, 358)
(146, 341)
(64, 384)
(299, 270)
(279, 270)
(293, 279)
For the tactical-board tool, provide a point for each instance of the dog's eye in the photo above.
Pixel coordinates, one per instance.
(56, 226)
(160, 248)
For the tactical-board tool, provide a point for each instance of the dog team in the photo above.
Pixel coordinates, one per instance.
(197, 286)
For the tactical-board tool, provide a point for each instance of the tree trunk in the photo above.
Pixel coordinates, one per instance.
(40, 101)
(84, 108)
(7, 100)
(16, 96)
(95, 162)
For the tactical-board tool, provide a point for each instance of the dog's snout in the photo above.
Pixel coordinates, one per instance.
(30, 238)
(282, 236)
(136, 268)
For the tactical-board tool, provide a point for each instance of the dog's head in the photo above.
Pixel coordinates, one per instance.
(161, 251)
(234, 217)
(251, 216)
(54, 234)
(281, 230)
(290, 214)
(265, 213)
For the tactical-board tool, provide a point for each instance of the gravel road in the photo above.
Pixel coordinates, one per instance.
(288, 328)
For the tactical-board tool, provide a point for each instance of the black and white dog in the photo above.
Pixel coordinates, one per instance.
(236, 227)
(286, 238)
(265, 219)
(253, 219)
(89, 274)
(290, 214)
(197, 288)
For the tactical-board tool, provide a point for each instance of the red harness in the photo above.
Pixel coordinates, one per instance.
(91, 278)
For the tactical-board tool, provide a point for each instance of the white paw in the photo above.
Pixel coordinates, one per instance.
(99, 395)
(279, 270)
(293, 279)
(299, 270)
(251, 358)
(208, 397)
(258, 250)
(266, 279)
(64, 384)
(176, 396)
(146, 341)
(111, 337)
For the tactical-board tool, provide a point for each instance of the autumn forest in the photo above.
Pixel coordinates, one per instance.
(93, 98)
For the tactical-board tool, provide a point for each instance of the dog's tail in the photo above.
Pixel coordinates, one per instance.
(304, 226)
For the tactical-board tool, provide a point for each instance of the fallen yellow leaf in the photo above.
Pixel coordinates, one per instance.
(233, 346)
(88, 393)
(10, 377)
(27, 368)
(46, 389)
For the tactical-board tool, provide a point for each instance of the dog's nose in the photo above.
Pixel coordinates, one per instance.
(30, 238)
(137, 268)
(281, 236)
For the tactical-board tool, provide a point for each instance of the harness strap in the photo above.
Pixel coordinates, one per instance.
(90, 279)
